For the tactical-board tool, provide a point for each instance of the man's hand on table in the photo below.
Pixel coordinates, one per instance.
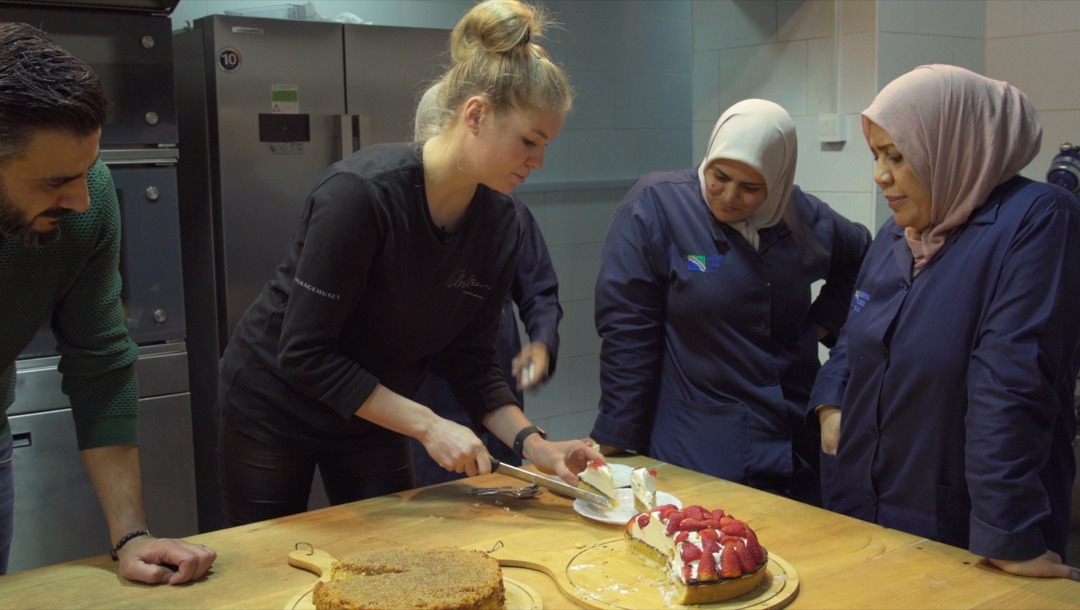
(164, 560)
(1047, 565)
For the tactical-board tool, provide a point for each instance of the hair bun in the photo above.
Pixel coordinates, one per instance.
(494, 54)
(496, 26)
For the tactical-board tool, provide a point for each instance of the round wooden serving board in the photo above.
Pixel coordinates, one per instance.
(519, 596)
(608, 575)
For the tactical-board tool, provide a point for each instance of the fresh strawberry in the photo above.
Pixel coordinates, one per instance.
(681, 537)
(663, 508)
(754, 547)
(706, 571)
(746, 559)
(694, 512)
(689, 524)
(726, 538)
(689, 552)
(726, 519)
(673, 524)
(735, 528)
(709, 533)
(729, 563)
(710, 545)
(643, 520)
(717, 514)
(687, 572)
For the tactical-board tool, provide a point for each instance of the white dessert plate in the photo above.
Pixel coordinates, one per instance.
(621, 513)
(620, 474)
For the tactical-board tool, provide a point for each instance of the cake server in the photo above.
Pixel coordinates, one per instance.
(555, 485)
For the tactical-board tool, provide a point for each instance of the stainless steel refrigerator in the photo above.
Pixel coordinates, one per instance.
(264, 107)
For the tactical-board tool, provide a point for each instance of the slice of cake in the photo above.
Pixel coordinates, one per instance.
(409, 577)
(709, 556)
(643, 484)
(597, 478)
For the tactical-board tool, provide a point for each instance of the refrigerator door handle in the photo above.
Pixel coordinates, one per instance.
(343, 127)
(353, 131)
(363, 131)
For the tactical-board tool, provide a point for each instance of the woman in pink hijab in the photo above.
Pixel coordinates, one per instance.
(946, 407)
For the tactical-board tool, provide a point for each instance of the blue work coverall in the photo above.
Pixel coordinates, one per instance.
(710, 347)
(956, 386)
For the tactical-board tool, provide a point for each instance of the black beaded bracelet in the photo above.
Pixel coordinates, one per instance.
(126, 539)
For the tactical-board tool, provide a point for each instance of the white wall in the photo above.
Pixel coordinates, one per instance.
(630, 67)
(787, 51)
(1033, 45)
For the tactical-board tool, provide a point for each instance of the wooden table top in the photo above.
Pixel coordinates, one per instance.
(840, 562)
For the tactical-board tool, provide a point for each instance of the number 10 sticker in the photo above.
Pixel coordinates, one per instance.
(229, 59)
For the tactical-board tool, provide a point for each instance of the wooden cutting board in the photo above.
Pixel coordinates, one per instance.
(607, 575)
(519, 596)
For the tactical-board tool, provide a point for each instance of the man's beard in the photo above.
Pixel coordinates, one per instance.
(13, 225)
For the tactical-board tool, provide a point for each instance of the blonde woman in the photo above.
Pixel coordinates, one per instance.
(404, 255)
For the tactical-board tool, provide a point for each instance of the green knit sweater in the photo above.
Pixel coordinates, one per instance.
(74, 283)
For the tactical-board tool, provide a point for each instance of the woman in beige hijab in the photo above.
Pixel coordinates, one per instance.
(705, 306)
(948, 401)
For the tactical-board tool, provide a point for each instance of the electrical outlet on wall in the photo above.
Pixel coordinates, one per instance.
(832, 128)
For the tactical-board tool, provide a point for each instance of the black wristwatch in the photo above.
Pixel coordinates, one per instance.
(519, 440)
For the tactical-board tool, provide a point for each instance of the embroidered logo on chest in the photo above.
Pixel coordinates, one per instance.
(468, 284)
(704, 263)
(859, 299)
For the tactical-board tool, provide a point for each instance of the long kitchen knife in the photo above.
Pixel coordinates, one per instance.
(555, 485)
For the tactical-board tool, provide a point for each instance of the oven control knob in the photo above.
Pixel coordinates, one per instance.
(152, 193)
(151, 118)
(148, 42)
(160, 316)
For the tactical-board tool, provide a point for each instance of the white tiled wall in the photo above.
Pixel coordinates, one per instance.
(630, 64)
(787, 51)
(1030, 43)
(921, 32)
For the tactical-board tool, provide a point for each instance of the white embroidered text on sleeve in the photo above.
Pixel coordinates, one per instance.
(319, 291)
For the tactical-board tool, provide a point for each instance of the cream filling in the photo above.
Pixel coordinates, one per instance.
(654, 535)
(600, 479)
(643, 485)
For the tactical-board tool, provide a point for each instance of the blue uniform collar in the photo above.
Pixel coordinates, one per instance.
(986, 214)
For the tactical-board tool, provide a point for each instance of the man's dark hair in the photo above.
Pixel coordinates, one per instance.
(43, 87)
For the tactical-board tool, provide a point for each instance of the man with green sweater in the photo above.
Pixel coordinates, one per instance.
(59, 262)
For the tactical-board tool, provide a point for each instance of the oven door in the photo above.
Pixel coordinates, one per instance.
(150, 265)
(132, 55)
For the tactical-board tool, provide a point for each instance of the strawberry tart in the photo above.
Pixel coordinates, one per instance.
(709, 556)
